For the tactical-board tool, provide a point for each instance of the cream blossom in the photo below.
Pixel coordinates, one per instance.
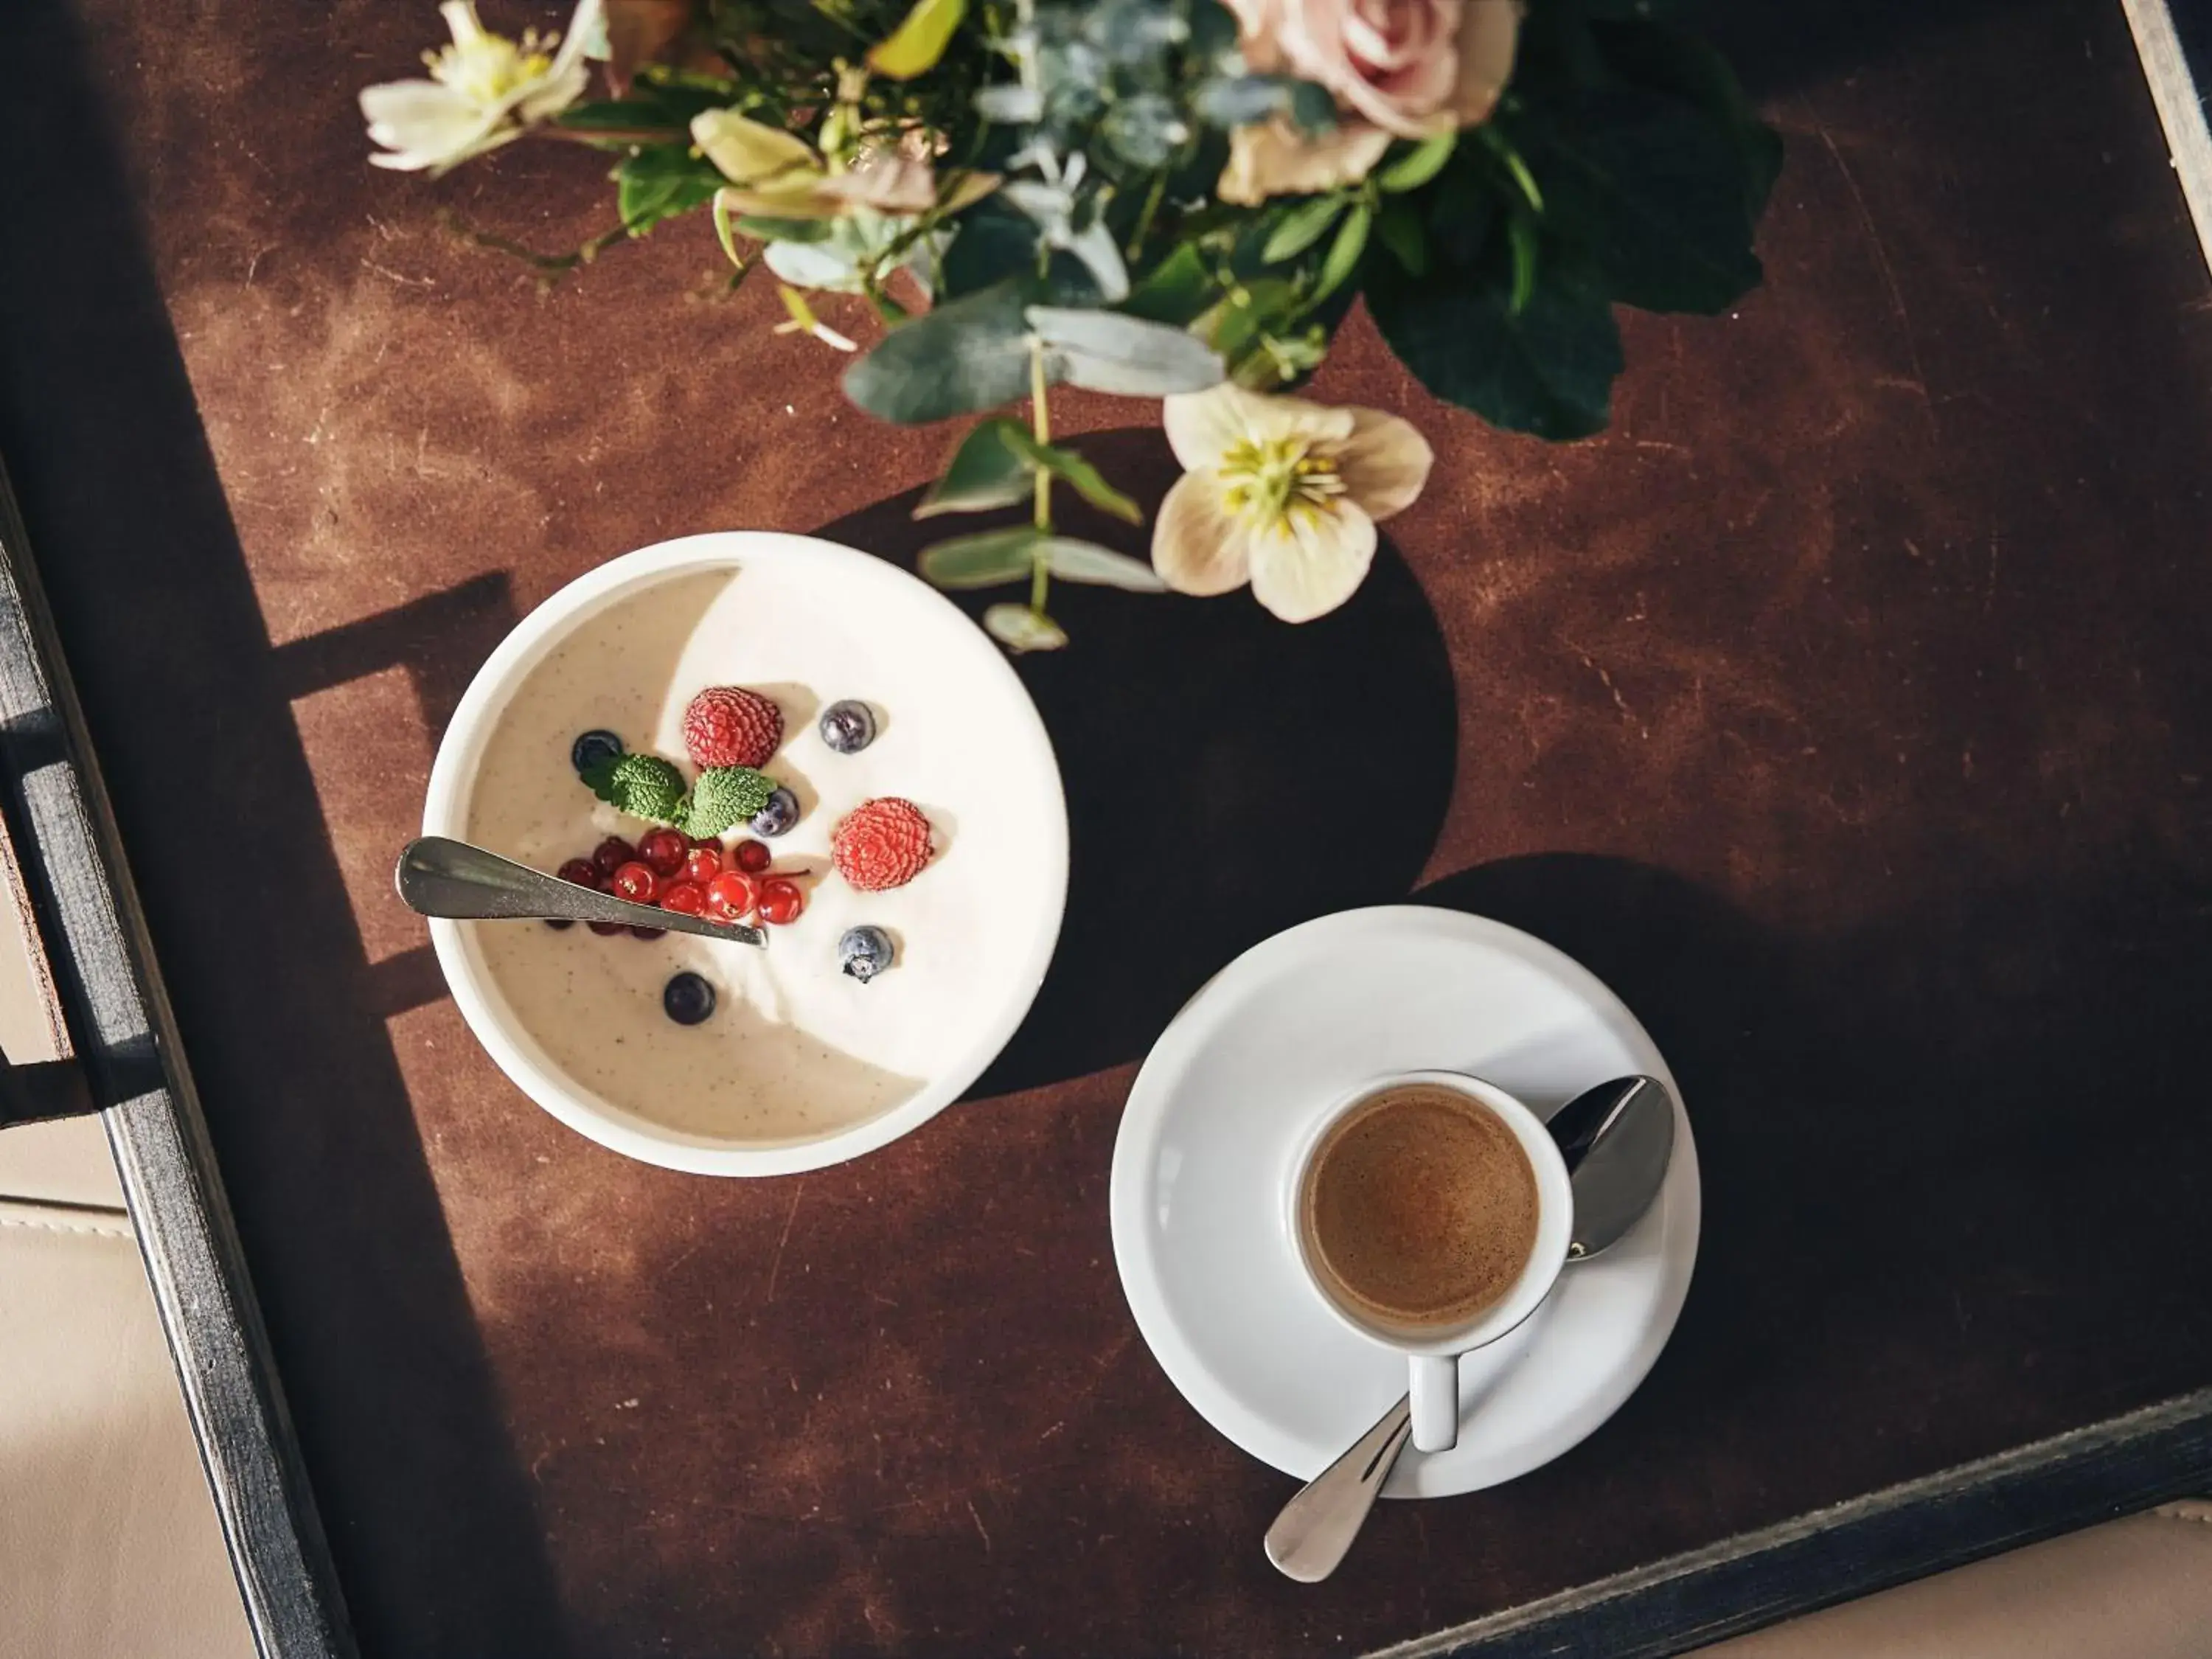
(777, 175)
(485, 90)
(1281, 493)
(1402, 69)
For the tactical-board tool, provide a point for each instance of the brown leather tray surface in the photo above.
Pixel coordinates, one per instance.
(1846, 706)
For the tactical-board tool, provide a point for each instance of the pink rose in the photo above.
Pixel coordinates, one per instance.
(1412, 67)
(1405, 68)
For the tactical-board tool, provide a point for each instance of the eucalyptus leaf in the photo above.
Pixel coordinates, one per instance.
(991, 558)
(1106, 351)
(1419, 165)
(1010, 103)
(1020, 628)
(1313, 108)
(1086, 480)
(967, 356)
(1087, 562)
(987, 472)
(1344, 253)
(1243, 100)
(991, 243)
(1302, 226)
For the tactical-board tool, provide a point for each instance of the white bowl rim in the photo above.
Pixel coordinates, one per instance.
(485, 1011)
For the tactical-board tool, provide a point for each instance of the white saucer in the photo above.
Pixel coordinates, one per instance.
(1234, 1086)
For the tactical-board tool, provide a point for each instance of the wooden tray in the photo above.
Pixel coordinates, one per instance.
(1845, 708)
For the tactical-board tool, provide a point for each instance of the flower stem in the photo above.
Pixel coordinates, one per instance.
(1040, 429)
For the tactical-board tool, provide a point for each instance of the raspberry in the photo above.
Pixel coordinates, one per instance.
(881, 843)
(729, 726)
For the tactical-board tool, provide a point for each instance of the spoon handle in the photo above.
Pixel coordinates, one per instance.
(1314, 1530)
(440, 878)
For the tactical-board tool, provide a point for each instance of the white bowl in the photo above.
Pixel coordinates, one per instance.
(968, 726)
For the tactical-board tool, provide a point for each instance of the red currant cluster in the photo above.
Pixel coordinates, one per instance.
(692, 877)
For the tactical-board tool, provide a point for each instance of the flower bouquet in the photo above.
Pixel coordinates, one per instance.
(1159, 199)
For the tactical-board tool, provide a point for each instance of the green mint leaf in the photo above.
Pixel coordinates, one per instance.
(641, 785)
(724, 797)
(600, 779)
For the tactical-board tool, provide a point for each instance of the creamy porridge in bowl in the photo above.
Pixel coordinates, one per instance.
(922, 933)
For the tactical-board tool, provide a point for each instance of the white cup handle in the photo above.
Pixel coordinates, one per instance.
(1434, 1385)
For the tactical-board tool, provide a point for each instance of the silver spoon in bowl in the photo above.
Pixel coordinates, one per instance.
(438, 877)
(1617, 1139)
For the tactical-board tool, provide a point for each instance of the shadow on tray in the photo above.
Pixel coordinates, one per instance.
(1227, 776)
(190, 707)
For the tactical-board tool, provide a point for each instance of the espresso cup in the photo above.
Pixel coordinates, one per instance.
(1432, 1349)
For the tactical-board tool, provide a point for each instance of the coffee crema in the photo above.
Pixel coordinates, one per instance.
(1418, 1208)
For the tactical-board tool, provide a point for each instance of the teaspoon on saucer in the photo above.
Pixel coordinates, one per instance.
(1617, 1139)
(438, 877)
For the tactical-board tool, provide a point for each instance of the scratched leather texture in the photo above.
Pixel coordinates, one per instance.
(1845, 706)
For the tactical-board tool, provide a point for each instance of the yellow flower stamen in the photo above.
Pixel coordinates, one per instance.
(1278, 482)
(489, 68)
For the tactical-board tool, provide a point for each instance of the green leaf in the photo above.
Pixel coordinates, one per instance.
(1656, 189)
(916, 45)
(660, 181)
(991, 244)
(1521, 240)
(1237, 325)
(996, 465)
(1666, 59)
(1020, 628)
(1547, 369)
(761, 228)
(1087, 562)
(1515, 165)
(1419, 165)
(1344, 253)
(986, 471)
(1177, 291)
(641, 785)
(987, 560)
(1398, 228)
(724, 797)
(1106, 351)
(1302, 226)
(1084, 479)
(970, 355)
(1313, 108)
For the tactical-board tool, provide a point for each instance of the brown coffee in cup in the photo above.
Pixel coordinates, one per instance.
(1418, 1208)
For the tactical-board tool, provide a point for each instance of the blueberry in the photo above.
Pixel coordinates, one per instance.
(595, 749)
(864, 952)
(848, 726)
(688, 999)
(779, 814)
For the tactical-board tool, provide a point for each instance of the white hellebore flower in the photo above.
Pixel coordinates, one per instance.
(1283, 493)
(483, 90)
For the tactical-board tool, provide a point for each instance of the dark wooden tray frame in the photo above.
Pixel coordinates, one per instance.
(132, 1071)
